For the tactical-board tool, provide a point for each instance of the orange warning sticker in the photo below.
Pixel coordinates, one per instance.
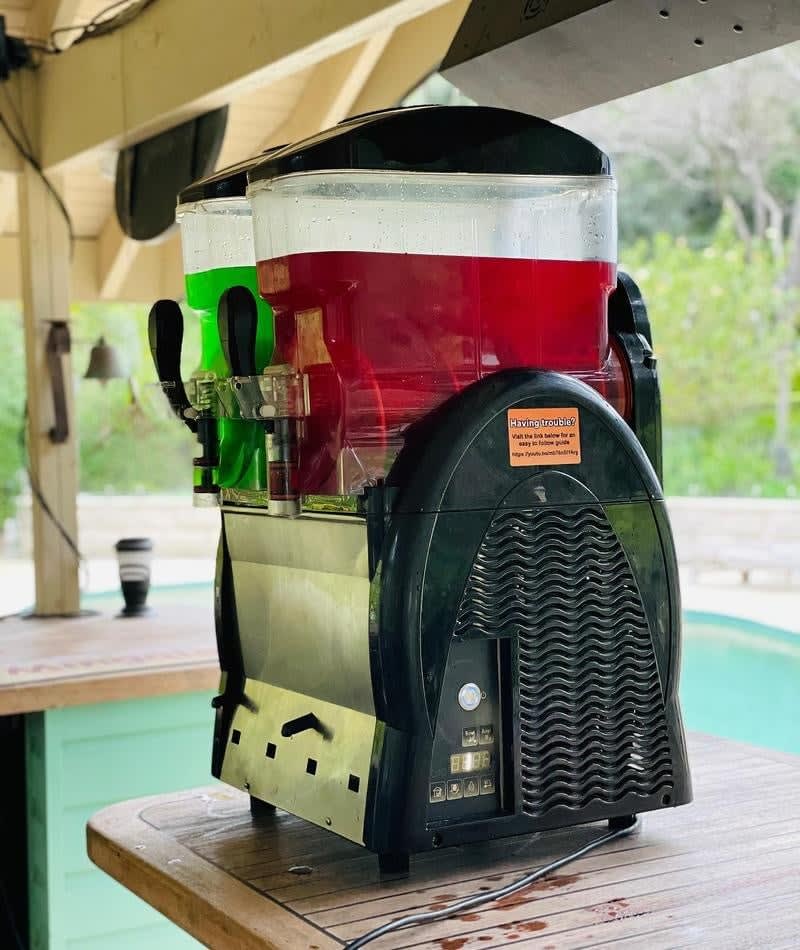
(544, 437)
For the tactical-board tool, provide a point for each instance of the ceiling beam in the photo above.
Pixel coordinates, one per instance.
(375, 74)
(155, 272)
(180, 58)
(11, 111)
(331, 89)
(83, 280)
(415, 49)
(9, 156)
(116, 256)
(48, 15)
(367, 56)
(144, 281)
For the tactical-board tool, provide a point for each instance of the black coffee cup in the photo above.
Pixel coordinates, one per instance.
(134, 556)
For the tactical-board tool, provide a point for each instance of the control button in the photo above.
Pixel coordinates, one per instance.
(487, 785)
(469, 736)
(454, 790)
(471, 786)
(486, 735)
(469, 696)
(438, 792)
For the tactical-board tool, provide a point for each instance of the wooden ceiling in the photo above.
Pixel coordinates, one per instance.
(302, 82)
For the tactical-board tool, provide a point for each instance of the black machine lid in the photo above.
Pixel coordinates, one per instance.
(229, 182)
(474, 139)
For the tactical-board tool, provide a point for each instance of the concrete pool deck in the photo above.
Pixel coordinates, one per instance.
(772, 606)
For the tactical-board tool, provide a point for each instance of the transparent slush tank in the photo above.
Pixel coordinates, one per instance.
(217, 245)
(394, 290)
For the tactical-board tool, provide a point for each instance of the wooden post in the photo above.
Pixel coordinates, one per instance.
(45, 260)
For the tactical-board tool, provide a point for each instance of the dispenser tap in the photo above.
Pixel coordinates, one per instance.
(237, 320)
(275, 397)
(165, 332)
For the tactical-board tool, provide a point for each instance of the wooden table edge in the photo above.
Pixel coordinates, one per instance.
(106, 686)
(233, 914)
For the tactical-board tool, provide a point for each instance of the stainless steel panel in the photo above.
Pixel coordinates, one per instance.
(328, 796)
(302, 600)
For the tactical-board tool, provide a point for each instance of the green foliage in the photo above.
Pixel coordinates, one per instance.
(12, 405)
(649, 202)
(129, 441)
(716, 330)
(125, 444)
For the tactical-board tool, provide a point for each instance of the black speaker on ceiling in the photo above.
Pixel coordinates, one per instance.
(151, 173)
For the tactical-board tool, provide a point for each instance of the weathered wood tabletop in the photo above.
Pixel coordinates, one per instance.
(46, 663)
(721, 872)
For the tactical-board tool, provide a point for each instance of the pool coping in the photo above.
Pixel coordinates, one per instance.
(742, 624)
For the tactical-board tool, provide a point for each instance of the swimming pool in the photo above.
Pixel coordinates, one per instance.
(739, 679)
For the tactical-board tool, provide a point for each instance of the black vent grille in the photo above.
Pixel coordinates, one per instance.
(591, 712)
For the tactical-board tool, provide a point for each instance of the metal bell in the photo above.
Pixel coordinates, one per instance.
(105, 363)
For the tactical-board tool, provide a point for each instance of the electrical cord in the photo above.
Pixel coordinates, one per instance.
(99, 25)
(31, 159)
(38, 494)
(476, 900)
(18, 118)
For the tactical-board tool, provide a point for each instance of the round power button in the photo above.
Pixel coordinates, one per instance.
(469, 696)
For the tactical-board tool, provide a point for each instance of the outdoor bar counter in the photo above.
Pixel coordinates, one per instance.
(94, 710)
(721, 872)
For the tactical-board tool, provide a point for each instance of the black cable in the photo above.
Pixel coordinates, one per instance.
(99, 25)
(17, 117)
(38, 494)
(476, 900)
(37, 491)
(31, 159)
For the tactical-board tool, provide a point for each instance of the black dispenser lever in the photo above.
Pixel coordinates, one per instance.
(237, 320)
(165, 332)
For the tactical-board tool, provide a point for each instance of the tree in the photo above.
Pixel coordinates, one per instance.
(728, 139)
(12, 403)
(711, 312)
(127, 438)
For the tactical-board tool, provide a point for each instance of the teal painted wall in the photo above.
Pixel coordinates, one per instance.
(78, 760)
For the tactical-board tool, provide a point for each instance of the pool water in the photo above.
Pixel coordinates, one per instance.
(175, 595)
(739, 679)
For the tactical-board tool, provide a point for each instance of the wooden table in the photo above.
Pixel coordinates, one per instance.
(721, 872)
(47, 663)
(92, 710)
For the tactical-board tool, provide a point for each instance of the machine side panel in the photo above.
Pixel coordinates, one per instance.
(321, 774)
(302, 599)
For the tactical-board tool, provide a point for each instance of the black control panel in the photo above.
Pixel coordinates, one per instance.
(466, 763)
